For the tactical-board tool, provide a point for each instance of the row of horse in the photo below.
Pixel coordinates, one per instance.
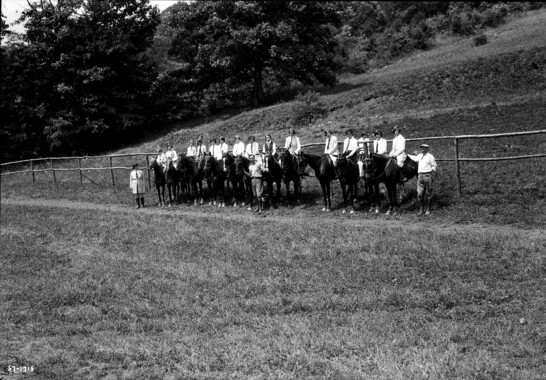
(186, 177)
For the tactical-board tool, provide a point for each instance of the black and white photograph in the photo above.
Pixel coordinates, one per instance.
(272, 189)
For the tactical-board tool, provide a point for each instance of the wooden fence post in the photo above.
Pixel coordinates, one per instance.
(81, 176)
(112, 172)
(53, 171)
(149, 179)
(457, 167)
(32, 170)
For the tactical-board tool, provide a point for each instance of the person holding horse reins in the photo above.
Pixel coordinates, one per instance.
(292, 143)
(255, 172)
(136, 183)
(426, 169)
(238, 147)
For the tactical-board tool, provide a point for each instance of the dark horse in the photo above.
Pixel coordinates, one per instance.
(272, 174)
(239, 181)
(347, 171)
(171, 179)
(184, 167)
(325, 173)
(215, 177)
(381, 168)
(159, 179)
(292, 172)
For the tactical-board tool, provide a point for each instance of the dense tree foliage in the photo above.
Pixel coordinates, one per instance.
(80, 80)
(88, 74)
(231, 45)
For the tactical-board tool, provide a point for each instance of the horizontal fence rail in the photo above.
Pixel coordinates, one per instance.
(457, 158)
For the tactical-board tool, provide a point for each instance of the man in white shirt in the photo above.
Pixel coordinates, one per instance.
(192, 150)
(330, 148)
(223, 151)
(426, 168)
(238, 147)
(350, 146)
(380, 144)
(161, 158)
(252, 148)
(214, 149)
(255, 172)
(292, 143)
(171, 153)
(201, 148)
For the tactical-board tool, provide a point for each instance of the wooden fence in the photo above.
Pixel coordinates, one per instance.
(456, 139)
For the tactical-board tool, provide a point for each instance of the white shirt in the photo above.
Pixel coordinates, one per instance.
(350, 145)
(216, 151)
(192, 151)
(273, 148)
(293, 145)
(252, 149)
(255, 169)
(427, 163)
(239, 149)
(201, 149)
(398, 145)
(380, 146)
(162, 159)
(172, 155)
(330, 147)
(223, 148)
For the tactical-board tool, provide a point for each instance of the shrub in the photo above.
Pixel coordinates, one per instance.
(308, 108)
(480, 40)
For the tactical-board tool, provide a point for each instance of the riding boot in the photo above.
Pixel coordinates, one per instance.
(138, 203)
(403, 176)
(421, 207)
(428, 207)
(142, 202)
(261, 205)
(258, 206)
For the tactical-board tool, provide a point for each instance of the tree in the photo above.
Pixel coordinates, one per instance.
(242, 42)
(82, 72)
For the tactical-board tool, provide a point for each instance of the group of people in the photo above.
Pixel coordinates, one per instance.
(351, 148)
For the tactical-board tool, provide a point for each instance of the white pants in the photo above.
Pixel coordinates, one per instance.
(400, 159)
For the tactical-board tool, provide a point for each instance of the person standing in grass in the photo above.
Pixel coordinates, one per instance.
(136, 182)
(255, 172)
(426, 170)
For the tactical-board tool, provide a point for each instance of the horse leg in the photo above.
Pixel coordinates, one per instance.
(352, 196)
(344, 192)
(157, 186)
(323, 186)
(328, 189)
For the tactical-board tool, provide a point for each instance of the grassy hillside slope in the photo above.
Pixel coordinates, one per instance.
(456, 76)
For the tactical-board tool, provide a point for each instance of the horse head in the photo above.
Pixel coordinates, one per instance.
(369, 168)
(241, 164)
(209, 166)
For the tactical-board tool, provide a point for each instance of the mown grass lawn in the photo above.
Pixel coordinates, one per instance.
(92, 293)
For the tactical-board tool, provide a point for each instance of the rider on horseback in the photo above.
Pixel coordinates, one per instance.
(330, 148)
(238, 147)
(224, 149)
(398, 151)
(350, 147)
(380, 144)
(292, 143)
(161, 159)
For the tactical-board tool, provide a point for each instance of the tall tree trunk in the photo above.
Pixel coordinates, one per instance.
(258, 97)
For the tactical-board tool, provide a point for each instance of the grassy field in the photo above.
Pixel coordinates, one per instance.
(92, 288)
(115, 293)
